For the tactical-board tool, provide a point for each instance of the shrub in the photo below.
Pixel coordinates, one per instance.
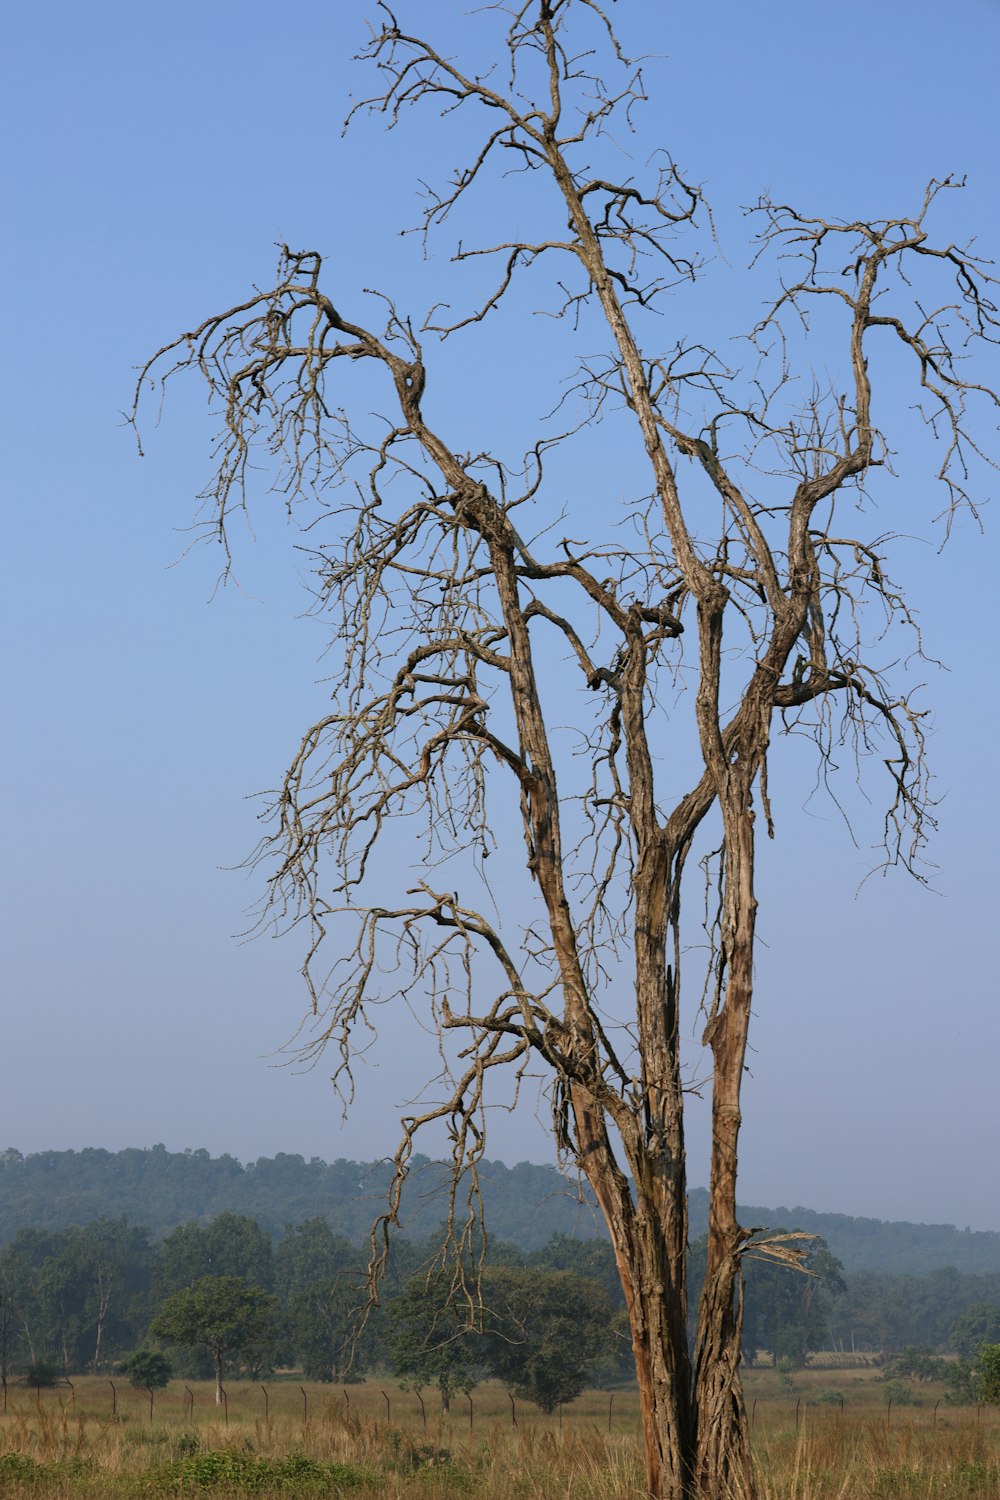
(147, 1369)
(898, 1394)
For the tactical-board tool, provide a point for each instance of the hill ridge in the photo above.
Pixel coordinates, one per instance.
(526, 1203)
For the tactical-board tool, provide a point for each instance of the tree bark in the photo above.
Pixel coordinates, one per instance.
(724, 1465)
(663, 1369)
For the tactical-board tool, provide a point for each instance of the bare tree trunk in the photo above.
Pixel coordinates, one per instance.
(104, 1302)
(663, 1367)
(27, 1336)
(724, 1465)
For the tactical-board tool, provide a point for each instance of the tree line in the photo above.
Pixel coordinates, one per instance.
(525, 1204)
(222, 1298)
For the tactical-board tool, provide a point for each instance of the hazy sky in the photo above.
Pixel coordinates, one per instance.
(155, 155)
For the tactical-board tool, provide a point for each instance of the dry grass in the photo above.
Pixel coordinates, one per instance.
(61, 1444)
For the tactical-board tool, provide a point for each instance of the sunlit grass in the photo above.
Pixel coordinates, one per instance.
(373, 1440)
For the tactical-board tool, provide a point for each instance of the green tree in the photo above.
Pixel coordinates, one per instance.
(221, 1313)
(12, 1327)
(960, 1378)
(988, 1374)
(80, 1296)
(430, 1339)
(107, 1266)
(978, 1324)
(786, 1309)
(914, 1363)
(148, 1369)
(592, 1258)
(544, 1331)
(898, 1393)
(231, 1245)
(32, 1297)
(321, 1283)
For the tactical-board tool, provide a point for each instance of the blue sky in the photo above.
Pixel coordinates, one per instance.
(155, 156)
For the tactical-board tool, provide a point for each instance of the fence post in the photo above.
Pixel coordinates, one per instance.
(468, 1397)
(423, 1412)
(225, 1405)
(189, 1402)
(305, 1404)
(513, 1413)
(888, 1415)
(611, 1402)
(114, 1401)
(149, 1388)
(388, 1408)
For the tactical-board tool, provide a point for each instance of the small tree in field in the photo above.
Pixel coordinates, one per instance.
(147, 1369)
(544, 1332)
(430, 1342)
(746, 588)
(223, 1314)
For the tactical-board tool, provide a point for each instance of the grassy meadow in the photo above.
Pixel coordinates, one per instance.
(372, 1440)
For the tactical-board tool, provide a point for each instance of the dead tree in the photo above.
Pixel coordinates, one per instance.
(750, 569)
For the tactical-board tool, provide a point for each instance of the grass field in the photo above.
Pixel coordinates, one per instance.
(372, 1440)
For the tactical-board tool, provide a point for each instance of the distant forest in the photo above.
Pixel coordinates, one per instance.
(525, 1205)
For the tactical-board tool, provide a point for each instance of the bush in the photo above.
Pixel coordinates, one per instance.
(988, 1374)
(16, 1467)
(916, 1364)
(228, 1470)
(147, 1369)
(961, 1383)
